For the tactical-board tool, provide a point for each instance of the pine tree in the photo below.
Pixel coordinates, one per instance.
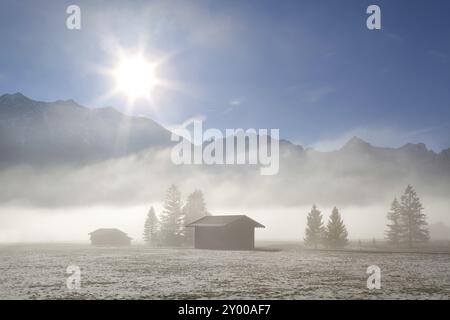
(314, 230)
(151, 228)
(172, 218)
(394, 229)
(413, 221)
(336, 233)
(194, 209)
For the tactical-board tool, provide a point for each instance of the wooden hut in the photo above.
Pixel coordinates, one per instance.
(226, 232)
(109, 237)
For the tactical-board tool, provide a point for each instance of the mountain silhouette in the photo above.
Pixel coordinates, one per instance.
(61, 132)
(356, 144)
(64, 132)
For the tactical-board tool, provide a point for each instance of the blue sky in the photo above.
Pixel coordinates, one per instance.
(310, 68)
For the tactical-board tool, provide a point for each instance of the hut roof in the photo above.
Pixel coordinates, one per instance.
(221, 221)
(108, 231)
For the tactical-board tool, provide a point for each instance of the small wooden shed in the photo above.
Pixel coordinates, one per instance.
(225, 232)
(109, 237)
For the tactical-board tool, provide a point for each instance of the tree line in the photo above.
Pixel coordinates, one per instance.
(169, 229)
(406, 226)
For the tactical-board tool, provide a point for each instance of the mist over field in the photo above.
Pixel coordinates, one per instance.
(65, 202)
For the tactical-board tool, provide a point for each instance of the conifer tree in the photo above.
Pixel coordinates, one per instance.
(315, 230)
(172, 218)
(336, 232)
(413, 221)
(151, 228)
(393, 232)
(194, 209)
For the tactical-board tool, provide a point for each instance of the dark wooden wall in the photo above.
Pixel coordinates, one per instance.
(235, 236)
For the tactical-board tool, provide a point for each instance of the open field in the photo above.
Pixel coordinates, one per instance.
(137, 272)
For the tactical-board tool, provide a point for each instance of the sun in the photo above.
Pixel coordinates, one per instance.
(135, 77)
(138, 77)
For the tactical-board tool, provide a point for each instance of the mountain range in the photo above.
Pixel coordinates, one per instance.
(36, 132)
(63, 134)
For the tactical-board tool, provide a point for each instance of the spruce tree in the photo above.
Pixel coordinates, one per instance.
(336, 232)
(151, 228)
(172, 218)
(413, 221)
(194, 209)
(314, 230)
(394, 229)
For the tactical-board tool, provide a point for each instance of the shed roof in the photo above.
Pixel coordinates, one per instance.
(221, 221)
(107, 231)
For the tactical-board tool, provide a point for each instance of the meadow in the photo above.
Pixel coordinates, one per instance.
(139, 272)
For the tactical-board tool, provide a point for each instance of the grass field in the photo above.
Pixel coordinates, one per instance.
(138, 272)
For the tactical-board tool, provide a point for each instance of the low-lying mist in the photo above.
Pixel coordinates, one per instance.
(59, 204)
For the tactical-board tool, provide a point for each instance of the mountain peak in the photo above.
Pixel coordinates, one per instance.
(14, 98)
(356, 143)
(13, 95)
(69, 103)
(414, 147)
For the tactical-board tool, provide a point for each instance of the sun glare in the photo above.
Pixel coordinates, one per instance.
(135, 77)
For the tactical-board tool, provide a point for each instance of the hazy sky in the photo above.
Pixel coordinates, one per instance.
(310, 68)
